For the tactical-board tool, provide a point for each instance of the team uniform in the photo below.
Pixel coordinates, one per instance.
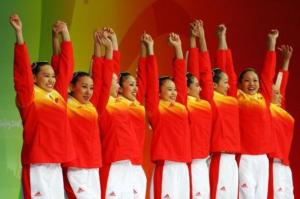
(171, 141)
(225, 141)
(280, 180)
(256, 136)
(47, 140)
(137, 116)
(81, 176)
(200, 124)
(120, 176)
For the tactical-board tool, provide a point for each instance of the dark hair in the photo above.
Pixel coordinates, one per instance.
(163, 79)
(36, 66)
(190, 78)
(242, 74)
(122, 77)
(78, 75)
(216, 75)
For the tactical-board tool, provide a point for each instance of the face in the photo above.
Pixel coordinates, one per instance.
(129, 88)
(250, 83)
(45, 78)
(194, 88)
(168, 91)
(276, 96)
(114, 86)
(223, 86)
(83, 89)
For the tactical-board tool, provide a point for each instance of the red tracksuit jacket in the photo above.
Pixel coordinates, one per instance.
(46, 131)
(119, 141)
(255, 116)
(83, 120)
(170, 123)
(199, 109)
(282, 126)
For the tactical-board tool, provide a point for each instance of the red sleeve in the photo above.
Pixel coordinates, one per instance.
(65, 69)
(232, 77)
(221, 60)
(141, 80)
(180, 80)
(55, 63)
(107, 73)
(267, 75)
(97, 78)
(152, 93)
(193, 64)
(23, 76)
(205, 80)
(284, 82)
(117, 65)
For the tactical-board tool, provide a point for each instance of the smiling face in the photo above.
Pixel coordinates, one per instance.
(222, 85)
(249, 83)
(168, 91)
(82, 90)
(45, 78)
(194, 88)
(129, 88)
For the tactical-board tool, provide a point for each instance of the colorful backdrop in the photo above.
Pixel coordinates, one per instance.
(248, 23)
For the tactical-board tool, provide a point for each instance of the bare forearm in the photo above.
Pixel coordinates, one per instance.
(222, 43)
(193, 42)
(109, 52)
(178, 52)
(202, 43)
(19, 37)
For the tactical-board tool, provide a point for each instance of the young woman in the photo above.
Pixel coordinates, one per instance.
(41, 96)
(120, 144)
(199, 81)
(81, 175)
(225, 142)
(280, 179)
(171, 142)
(255, 125)
(134, 97)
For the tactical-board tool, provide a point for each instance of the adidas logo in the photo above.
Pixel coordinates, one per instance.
(244, 185)
(112, 194)
(80, 190)
(223, 188)
(38, 194)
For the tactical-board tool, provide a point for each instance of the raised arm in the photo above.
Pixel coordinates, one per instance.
(268, 70)
(152, 91)
(116, 53)
(201, 35)
(55, 48)
(286, 53)
(233, 79)
(222, 47)
(107, 72)
(96, 69)
(66, 62)
(22, 71)
(179, 70)
(205, 74)
(224, 56)
(193, 55)
(141, 78)
(16, 24)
